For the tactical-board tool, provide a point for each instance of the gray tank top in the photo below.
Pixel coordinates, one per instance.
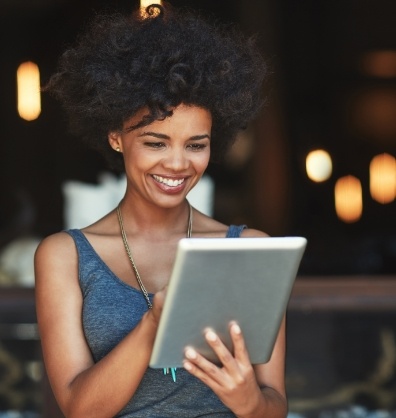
(111, 309)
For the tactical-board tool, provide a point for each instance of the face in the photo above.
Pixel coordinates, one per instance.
(165, 160)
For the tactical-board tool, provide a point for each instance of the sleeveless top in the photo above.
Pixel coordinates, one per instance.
(111, 309)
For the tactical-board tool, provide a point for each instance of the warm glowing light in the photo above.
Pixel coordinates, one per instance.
(383, 178)
(318, 165)
(348, 199)
(374, 114)
(146, 3)
(380, 63)
(28, 85)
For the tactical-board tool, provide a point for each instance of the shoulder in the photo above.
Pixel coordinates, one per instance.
(54, 243)
(209, 227)
(56, 267)
(55, 248)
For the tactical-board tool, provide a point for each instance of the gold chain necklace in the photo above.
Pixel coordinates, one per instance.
(129, 253)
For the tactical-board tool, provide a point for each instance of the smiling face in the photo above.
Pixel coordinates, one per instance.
(166, 159)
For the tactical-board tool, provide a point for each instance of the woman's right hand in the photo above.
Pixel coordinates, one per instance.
(158, 304)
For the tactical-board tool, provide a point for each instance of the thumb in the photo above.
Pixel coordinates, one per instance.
(158, 302)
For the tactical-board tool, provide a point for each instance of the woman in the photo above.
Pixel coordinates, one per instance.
(160, 95)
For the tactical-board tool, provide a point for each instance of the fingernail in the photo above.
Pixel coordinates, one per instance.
(191, 354)
(211, 336)
(236, 328)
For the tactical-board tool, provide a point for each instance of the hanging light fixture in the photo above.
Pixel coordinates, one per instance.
(383, 178)
(348, 199)
(28, 89)
(144, 4)
(318, 165)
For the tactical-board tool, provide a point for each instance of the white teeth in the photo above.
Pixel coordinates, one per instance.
(168, 182)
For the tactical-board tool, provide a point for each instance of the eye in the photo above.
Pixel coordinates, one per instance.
(155, 145)
(197, 146)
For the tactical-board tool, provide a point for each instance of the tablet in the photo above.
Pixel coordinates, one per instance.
(216, 280)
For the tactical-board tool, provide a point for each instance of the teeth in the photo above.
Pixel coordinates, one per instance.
(168, 182)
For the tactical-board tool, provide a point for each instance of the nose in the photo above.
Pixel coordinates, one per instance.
(176, 160)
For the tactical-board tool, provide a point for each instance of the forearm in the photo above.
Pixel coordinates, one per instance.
(105, 388)
(267, 404)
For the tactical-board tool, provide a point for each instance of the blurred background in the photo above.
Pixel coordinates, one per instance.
(318, 161)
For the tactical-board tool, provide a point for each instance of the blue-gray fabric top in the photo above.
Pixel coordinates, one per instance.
(111, 309)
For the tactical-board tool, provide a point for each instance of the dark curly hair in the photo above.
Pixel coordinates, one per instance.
(122, 64)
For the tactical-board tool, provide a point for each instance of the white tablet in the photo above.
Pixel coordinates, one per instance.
(216, 280)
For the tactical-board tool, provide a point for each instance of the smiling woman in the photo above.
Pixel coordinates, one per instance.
(159, 96)
(166, 159)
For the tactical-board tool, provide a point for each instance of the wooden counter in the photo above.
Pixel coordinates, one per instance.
(344, 293)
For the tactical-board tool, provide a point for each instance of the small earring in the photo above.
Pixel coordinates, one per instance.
(118, 149)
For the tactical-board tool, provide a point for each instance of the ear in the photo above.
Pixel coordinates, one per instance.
(115, 142)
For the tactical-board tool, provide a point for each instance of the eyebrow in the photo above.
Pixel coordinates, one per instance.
(163, 136)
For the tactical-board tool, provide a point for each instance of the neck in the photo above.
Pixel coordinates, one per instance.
(153, 220)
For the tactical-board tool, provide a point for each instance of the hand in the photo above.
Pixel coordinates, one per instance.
(234, 382)
(158, 304)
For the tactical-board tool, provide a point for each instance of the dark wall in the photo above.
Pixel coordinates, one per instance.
(314, 49)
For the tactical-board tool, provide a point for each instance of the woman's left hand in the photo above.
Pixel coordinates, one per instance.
(234, 381)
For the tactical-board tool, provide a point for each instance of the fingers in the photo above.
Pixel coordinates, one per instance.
(238, 341)
(159, 297)
(222, 352)
(234, 381)
(158, 303)
(230, 362)
(202, 369)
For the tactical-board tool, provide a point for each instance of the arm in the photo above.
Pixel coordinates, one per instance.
(271, 376)
(82, 387)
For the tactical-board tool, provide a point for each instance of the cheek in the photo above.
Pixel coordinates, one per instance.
(137, 159)
(202, 162)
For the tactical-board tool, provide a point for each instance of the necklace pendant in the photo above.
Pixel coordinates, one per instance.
(172, 371)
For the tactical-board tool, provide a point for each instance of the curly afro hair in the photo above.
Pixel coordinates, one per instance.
(122, 64)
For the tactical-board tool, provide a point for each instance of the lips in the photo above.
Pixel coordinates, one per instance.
(168, 181)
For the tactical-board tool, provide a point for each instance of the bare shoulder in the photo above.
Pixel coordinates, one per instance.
(209, 227)
(56, 278)
(59, 245)
(56, 256)
(253, 233)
